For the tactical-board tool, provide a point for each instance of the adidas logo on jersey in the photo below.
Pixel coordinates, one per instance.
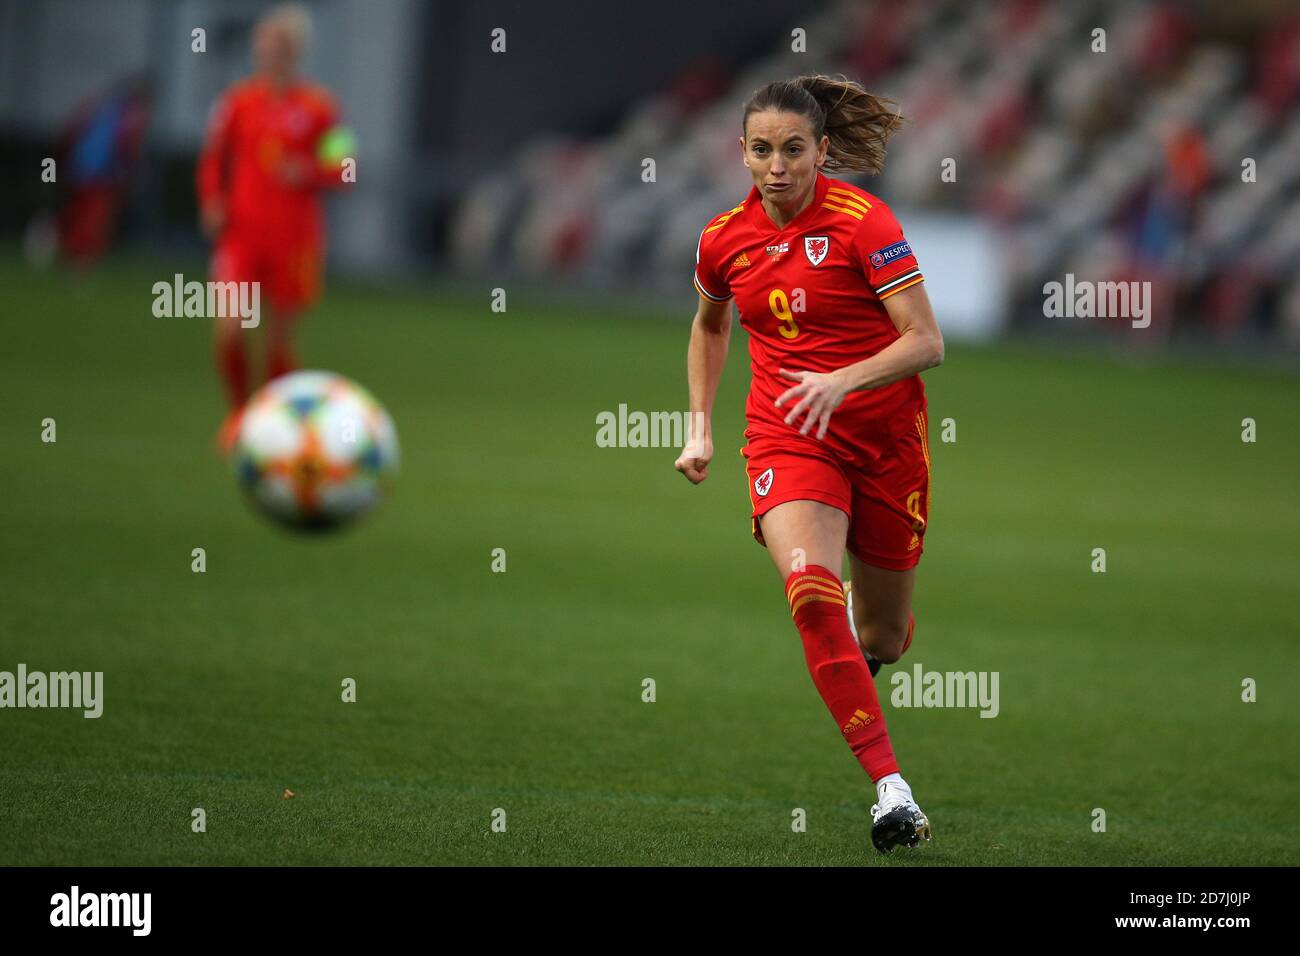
(740, 261)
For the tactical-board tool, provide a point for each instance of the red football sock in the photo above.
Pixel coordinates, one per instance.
(232, 363)
(280, 359)
(837, 667)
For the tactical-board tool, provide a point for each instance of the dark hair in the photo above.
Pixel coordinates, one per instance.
(858, 123)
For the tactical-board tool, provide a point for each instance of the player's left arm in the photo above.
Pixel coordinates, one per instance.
(891, 271)
(335, 148)
(919, 346)
(332, 149)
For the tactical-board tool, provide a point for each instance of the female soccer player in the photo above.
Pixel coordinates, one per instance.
(837, 454)
(260, 177)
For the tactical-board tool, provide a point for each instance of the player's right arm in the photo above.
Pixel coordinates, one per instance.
(707, 354)
(705, 358)
(211, 172)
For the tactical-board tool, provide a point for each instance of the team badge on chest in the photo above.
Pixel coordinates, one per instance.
(816, 247)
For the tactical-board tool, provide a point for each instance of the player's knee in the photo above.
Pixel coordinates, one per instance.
(884, 639)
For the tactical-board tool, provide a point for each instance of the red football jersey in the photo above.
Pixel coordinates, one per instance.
(253, 130)
(811, 298)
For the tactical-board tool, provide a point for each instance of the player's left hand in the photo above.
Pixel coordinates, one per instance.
(294, 171)
(819, 394)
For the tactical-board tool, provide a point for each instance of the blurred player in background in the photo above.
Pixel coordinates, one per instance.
(832, 298)
(99, 149)
(272, 147)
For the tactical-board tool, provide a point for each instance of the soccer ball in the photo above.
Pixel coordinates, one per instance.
(315, 450)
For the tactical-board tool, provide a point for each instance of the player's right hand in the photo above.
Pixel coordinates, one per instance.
(694, 460)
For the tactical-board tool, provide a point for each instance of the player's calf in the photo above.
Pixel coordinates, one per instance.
(886, 641)
(881, 642)
(835, 664)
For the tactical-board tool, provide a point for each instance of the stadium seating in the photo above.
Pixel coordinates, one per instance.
(1128, 160)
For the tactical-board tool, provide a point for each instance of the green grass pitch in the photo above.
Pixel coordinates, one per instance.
(522, 690)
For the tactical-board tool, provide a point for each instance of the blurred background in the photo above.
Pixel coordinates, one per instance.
(1173, 157)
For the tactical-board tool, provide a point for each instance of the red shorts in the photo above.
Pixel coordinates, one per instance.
(888, 503)
(289, 272)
